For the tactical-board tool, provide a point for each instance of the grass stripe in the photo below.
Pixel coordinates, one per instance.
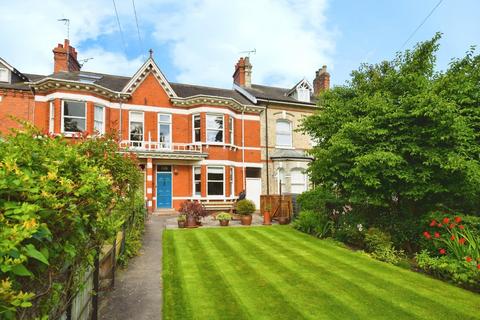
(320, 278)
(210, 293)
(414, 283)
(371, 288)
(260, 295)
(173, 289)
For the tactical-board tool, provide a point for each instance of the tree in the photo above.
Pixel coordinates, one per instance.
(400, 136)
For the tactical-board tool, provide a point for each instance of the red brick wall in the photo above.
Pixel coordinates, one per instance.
(18, 104)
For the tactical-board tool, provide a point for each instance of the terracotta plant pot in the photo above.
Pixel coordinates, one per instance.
(267, 220)
(224, 223)
(246, 219)
(191, 222)
(283, 220)
(181, 224)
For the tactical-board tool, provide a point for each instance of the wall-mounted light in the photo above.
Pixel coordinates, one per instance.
(175, 171)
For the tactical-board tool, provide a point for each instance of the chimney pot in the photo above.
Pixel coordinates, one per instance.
(65, 58)
(243, 72)
(321, 81)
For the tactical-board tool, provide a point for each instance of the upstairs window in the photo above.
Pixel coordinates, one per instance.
(231, 128)
(165, 130)
(214, 128)
(74, 116)
(283, 133)
(136, 128)
(3, 75)
(197, 137)
(98, 121)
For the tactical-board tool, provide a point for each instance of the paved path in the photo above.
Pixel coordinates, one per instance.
(138, 289)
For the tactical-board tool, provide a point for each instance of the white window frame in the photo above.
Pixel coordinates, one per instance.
(231, 128)
(167, 145)
(7, 75)
(62, 129)
(194, 194)
(193, 127)
(293, 182)
(217, 195)
(232, 181)
(207, 128)
(102, 131)
(140, 143)
(290, 145)
(51, 117)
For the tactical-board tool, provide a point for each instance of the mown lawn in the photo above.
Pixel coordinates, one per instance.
(279, 273)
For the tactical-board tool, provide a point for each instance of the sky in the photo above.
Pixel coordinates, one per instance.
(199, 41)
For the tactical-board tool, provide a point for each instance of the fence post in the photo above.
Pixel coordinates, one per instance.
(114, 261)
(96, 285)
(124, 236)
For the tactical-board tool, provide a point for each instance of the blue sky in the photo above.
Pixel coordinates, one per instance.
(199, 41)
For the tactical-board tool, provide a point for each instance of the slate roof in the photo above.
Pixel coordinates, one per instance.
(21, 85)
(188, 90)
(274, 93)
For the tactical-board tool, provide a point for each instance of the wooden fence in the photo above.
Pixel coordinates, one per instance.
(279, 205)
(100, 277)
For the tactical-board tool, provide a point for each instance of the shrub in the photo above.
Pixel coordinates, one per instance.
(224, 216)
(182, 217)
(245, 207)
(313, 223)
(316, 199)
(461, 272)
(192, 209)
(379, 244)
(350, 229)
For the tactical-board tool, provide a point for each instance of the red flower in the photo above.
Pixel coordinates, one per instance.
(461, 227)
(452, 237)
(442, 251)
(451, 226)
(437, 235)
(427, 235)
(433, 223)
(439, 225)
(461, 240)
(469, 259)
(478, 266)
(458, 219)
(446, 220)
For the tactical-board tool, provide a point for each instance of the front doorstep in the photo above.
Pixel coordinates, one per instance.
(164, 212)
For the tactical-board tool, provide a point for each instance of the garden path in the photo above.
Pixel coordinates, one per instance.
(138, 288)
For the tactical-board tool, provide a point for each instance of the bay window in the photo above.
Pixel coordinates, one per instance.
(74, 116)
(297, 181)
(232, 182)
(197, 137)
(51, 118)
(136, 128)
(214, 128)
(197, 181)
(230, 128)
(99, 119)
(215, 181)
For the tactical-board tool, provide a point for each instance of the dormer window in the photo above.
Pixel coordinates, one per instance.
(3, 75)
(301, 91)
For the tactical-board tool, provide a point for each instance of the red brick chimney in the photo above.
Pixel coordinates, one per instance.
(321, 81)
(65, 58)
(243, 72)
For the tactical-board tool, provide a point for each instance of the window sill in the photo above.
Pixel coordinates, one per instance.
(284, 147)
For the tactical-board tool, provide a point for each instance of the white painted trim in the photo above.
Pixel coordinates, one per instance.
(67, 133)
(193, 128)
(104, 111)
(206, 185)
(170, 125)
(51, 116)
(203, 198)
(223, 128)
(245, 93)
(229, 163)
(193, 181)
(143, 122)
(135, 107)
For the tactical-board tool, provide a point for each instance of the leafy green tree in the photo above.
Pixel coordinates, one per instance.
(401, 137)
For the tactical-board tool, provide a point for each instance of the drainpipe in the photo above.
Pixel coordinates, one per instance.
(266, 148)
(121, 136)
(243, 147)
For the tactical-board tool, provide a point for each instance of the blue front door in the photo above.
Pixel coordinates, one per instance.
(164, 190)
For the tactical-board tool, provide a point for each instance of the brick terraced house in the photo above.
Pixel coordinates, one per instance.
(193, 142)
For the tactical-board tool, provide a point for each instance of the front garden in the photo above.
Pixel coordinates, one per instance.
(279, 273)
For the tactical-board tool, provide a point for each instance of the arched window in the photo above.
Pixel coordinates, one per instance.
(281, 180)
(283, 133)
(298, 182)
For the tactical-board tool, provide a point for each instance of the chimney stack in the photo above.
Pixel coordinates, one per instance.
(65, 58)
(243, 73)
(322, 81)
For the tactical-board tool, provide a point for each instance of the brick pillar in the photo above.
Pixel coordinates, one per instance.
(149, 186)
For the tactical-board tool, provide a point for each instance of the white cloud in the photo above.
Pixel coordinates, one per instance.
(207, 36)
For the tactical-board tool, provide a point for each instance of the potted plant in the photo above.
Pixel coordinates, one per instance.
(181, 221)
(267, 218)
(193, 211)
(224, 218)
(283, 220)
(245, 208)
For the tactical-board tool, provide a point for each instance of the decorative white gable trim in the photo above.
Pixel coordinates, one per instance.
(303, 84)
(149, 67)
(245, 93)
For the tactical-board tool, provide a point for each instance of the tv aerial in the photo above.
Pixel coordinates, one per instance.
(249, 52)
